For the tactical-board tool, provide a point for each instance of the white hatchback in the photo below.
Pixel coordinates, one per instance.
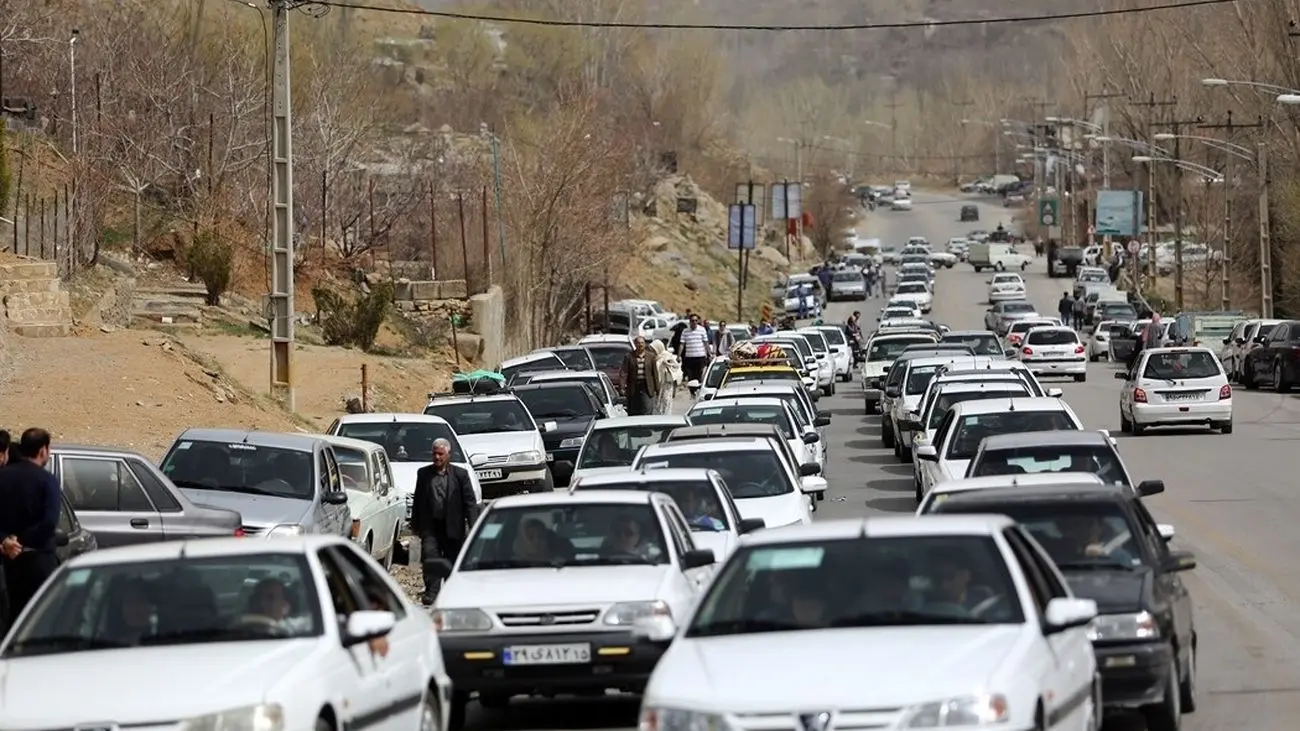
(1175, 387)
(1055, 351)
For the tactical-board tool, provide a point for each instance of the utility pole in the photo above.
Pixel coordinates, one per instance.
(893, 132)
(1225, 273)
(1150, 171)
(1107, 244)
(1176, 127)
(1265, 240)
(961, 143)
(281, 295)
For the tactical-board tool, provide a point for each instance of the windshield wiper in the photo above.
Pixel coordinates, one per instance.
(743, 626)
(558, 415)
(901, 617)
(54, 644)
(1099, 564)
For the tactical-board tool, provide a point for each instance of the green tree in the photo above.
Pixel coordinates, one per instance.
(6, 178)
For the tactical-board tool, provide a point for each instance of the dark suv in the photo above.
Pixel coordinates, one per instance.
(1110, 549)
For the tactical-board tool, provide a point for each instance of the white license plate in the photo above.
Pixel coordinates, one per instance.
(489, 474)
(1183, 397)
(547, 654)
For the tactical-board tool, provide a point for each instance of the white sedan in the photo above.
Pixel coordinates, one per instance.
(1175, 387)
(958, 622)
(903, 203)
(1054, 351)
(917, 293)
(293, 633)
(1006, 286)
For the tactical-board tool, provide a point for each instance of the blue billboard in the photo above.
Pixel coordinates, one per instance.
(1119, 213)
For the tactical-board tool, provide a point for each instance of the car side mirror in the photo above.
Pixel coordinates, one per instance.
(1147, 488)
(1179, 561)
(813, 485)
(749, 525)
(809, 469)
(927, 452)
(875, 383)
(550, 426)
(1166, 531)
(909, 424)
(337, 497)
(811, 437)
(822, 420)
(1009, 353)
(1063, 614)
(698, 558)
(1121, 376)
(366, 625)
(1054, 393)
(61, 538)
(894, 391)
(477, 460)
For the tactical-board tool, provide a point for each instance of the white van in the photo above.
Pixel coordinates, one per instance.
(999, 257)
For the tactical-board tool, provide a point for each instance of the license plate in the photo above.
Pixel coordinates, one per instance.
(547, 654)
(489, 474)
(550, 457)
(1182, 397)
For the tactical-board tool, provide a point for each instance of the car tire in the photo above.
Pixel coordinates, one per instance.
(886, 433)
(494, 701)
(1081, 378)
(430, 711)
(1125, 426)
(1166, 715)
(392, 548)
(919, 489)
(1225, 427)
(1187, 686)
(457, 712)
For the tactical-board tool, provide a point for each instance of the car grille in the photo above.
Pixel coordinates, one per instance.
(548, 619)
(859, 719)
(498, 459)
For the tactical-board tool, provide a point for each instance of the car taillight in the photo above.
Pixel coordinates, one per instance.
(1139, 396)
(239, 533)
(1078, 350)
(1225, 392)
(1028, 351)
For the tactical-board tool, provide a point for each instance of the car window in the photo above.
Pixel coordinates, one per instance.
(754, 473)
(355, 469)
(1179, 365)
(975, 428)
(378, 594)
(1098, 459)
(67, 522)
(912, 288)
(1052, 337)
(945, 400)
(1039, 591)
(577, 534)
(242, 468)
(697, 499)
(834, 336)
(103, 484)
(576, 358)
(889, 348)
(483, 417)
(1077, 534)
(918, 378)
(710, 413)
(1017, 307)
(780, 374)
(159, 494)
(717, 372)
(866, 582)
(617, 446)
(980, 343)
(609, 356)
(544, 362)
(404, 441)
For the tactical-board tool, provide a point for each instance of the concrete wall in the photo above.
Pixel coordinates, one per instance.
(489, 323)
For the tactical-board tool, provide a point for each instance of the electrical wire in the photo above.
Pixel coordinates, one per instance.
(505, 19)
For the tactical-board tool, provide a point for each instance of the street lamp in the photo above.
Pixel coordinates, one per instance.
(1273, 88)
(1288, 98)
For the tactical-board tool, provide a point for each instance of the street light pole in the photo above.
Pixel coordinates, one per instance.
(72, 83)
(1265, 243)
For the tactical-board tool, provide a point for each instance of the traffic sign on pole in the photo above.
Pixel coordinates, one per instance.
(1047, 212)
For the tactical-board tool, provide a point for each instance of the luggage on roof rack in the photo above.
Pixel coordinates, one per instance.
(480, 382)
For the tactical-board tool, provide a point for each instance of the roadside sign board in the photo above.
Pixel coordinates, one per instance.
(742, 226)
(1047, 212)
(787, 201)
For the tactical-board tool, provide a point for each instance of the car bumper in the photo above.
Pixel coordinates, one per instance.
(561, 462)
(1057, 367)
(618, 660)
(1176, 413)
(515, 480)
(1134, 674)
(1005, 296)
(848, 294)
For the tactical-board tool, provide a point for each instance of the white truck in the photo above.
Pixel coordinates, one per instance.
(997, 256)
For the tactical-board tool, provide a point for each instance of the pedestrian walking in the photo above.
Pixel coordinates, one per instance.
(1079, 310)
(1065, 308)
(724, 339)
(30, 504)
(694, 351)
(668, 370)
(443, 509)
(869, 280)
(638, 372)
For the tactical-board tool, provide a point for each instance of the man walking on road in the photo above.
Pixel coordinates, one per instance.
(442, 510)
(1065, 308)
(30, 503)
(640, 374)
(694, 352)
(724, 340)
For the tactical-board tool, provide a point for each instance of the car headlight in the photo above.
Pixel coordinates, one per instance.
(286, 530)
(461, 620)
(967, 710)
(625, 614)
(261, 717)
(1140, 626)
(571, 443)
(678, 719)
(527, 457)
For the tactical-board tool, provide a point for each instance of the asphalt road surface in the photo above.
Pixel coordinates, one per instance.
(1228, 496)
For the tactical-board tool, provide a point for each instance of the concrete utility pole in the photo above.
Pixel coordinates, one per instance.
(961, 144)
(1176, 127)
(281, 295)
(1151, 104)
(1225, 272)
(1265, 240)
(893, 133)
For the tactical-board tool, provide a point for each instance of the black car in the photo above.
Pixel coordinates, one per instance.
(1110, 550)
(970, 213)
(573, 407)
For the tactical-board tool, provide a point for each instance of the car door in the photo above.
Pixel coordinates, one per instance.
(931, 475)
(685, 584)
(395, 510)
(109, 501)
(359, 672)
(401, 665)
(1170, 583)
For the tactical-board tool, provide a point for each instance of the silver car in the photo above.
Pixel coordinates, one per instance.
(282, 484)
(848, 284)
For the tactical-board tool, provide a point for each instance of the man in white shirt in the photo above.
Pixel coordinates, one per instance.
(695, 350)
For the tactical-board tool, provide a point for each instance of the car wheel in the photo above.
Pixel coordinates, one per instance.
(1125, 426)
(886, 433)
(430, 712)
(459, 704)
(1166, 715)
(1225, 427)
(494, 701)
(1081, 378)
(1187, 687)
(1248, 379)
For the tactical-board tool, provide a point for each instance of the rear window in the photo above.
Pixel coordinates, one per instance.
(609, 357)
(576, 358)
(981, 344)
(975, 428)
(1117, 310)
(944, 402)
(911, 288)
(847, 277)
(704, 415)
(550, 362)
(1052, 337)
(834, 337)
(1018, 307)
(889, 349)
(780, 374)
(1180, 365)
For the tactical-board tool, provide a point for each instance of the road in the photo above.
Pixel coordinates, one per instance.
(1226, 495)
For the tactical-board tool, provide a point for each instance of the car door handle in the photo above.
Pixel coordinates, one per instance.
(139, 523)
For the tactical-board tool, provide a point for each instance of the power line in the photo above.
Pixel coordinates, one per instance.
(505, 19)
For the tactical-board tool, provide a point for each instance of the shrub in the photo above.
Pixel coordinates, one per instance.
(213, 261)
(352, 323)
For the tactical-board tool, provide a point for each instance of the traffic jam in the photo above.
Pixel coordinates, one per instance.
(579, 536)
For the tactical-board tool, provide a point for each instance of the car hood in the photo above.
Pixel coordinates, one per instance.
(1114, 591)
(262, 511)
(880, 671)
(876, 368)
(235, 674)
(499, 444)
(570, 586)
(775, 511)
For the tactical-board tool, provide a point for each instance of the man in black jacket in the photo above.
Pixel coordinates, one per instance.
(443, 510)
(30, 502)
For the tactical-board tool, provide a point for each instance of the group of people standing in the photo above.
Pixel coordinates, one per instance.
(651, 373)
(31, 502)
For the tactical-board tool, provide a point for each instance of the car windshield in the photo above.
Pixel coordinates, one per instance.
(548, 362)
(1025, 326)
(980, 343)
(767, 374)
(1098, 459)
(1007, 279)
(847, 276)
(975, 428)
(404, 441)
(577, 534)
(918, 377)
(945, 400)
(354, 468)
(697, 500)
(483, 417)
(912, 288)
(617, 446)
(1094, 276)
(609, 356)
(753, 473)
(888, 349)
(891, 313)
(797, 343)
(1052, 337)
(743, 414)
(865, 582)
(185, 601)
(1078, 535)
(834, 336)
(559, 401)
(1017, 307)
(576, 358)
(1181, 364)
(1117, 310)
(717, 372)
(241, 467)
(592, 382)
(816, 342)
